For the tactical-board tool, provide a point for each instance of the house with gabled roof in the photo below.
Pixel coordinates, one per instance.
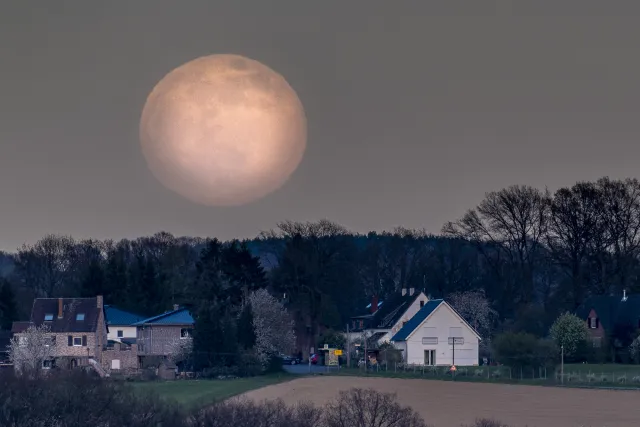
(437, 335)
(383, 318)
(610, 316)
(77, 327)
(158, 335)
(121, 324)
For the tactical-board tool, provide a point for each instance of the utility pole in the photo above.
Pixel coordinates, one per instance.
(562, 364)
(366, 356)
(348, 347)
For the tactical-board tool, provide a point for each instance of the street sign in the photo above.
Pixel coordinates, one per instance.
(338, 352)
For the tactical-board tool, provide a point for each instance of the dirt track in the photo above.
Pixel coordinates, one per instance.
(449, 404)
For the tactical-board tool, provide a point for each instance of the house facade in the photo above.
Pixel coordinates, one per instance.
(437, 336)
(607, 316)
(383, 319)
(77, 326)
(121, 324)
(159, 335)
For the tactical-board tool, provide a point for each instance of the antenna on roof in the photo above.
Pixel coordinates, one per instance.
(624, 295)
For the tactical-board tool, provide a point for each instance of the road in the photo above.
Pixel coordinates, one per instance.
(306, 369)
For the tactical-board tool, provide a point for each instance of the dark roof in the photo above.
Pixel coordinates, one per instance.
(115, 316)
(390, 311)
(611, 310)
(18, 327)
(71, 308)
(175, 317)
(417, 320)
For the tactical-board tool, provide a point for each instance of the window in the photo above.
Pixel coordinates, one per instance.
(52, 341)
(593, 323)
(120, 334)
(361, 324)
(48, 317)
(80, 317)
(77, 342)
(47, 364)
(185, 333)
(429, 340)
(458, 341)
(421, 303)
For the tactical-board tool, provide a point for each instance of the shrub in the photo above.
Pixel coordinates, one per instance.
(524, 351)
(570, 332)
(243, 413)
(369, 408)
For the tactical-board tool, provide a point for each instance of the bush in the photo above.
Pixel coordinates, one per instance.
(243, 413)
(69, 399)
(522, 351)
(369, 408)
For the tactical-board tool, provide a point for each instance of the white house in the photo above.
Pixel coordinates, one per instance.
(384, 318)
(438, 335)
(121, 324)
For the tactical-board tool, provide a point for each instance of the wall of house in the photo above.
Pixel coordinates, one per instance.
(597, 335)
(158, 339)
(62, 348)
(126, 357)
(440, 325)
(127, 332)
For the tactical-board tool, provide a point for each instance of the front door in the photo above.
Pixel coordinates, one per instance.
(430, 357)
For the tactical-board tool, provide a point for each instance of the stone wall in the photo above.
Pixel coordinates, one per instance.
(127, 357)
(159, 340)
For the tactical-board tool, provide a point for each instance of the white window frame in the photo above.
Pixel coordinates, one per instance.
(593, 323)
(188, 333)
(429, 340)
(120, 333)
(74, 341)
(459, 340)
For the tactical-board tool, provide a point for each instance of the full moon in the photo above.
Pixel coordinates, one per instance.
(223, 130)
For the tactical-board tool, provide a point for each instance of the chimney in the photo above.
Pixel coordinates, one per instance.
(60, 305)
(374, 304)
(99, 301)
(176, 307)
(404, 291)
(411, 291)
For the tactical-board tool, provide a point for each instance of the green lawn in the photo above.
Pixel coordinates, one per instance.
(607, 369)
(203, 392)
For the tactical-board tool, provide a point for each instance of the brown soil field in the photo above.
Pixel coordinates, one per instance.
(452, 404)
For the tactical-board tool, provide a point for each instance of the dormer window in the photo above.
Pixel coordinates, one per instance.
(80, 317)
(48, 317)
(421, 303)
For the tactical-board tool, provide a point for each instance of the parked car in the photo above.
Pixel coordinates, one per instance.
(290, 360)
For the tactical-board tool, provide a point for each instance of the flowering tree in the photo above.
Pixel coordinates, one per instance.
(179, 350)
(272, 324)
(474, 307)
(30, 349)
(634, 349)
(570, 332)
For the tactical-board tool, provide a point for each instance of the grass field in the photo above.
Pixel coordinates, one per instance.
(193, 393)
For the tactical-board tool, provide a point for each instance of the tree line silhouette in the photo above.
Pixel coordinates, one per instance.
(533, 253)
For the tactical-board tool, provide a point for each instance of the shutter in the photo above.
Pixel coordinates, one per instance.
(69, 340)
(84, 340)
(597, 323)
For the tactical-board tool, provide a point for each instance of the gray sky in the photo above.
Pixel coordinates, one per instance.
(414, 112)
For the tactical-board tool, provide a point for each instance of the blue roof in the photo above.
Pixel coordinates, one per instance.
(417, 320)
(175, 317)
(115, 316)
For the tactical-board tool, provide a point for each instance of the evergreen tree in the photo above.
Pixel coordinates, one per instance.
(8, 307)
(246, 331)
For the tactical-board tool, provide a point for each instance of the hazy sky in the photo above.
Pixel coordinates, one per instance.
(414, 112)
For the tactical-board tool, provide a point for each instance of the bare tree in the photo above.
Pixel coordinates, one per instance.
(474, 307)
(577, 221)
(43, 267)
(30, 349)
(369, 408)
(508, 225)
(273, 327)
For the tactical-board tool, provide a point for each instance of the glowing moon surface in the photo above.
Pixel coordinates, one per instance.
(223, 130)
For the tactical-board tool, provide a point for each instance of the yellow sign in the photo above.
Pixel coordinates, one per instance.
(338, 352)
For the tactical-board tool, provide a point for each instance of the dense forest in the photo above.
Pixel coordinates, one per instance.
(534, 254)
